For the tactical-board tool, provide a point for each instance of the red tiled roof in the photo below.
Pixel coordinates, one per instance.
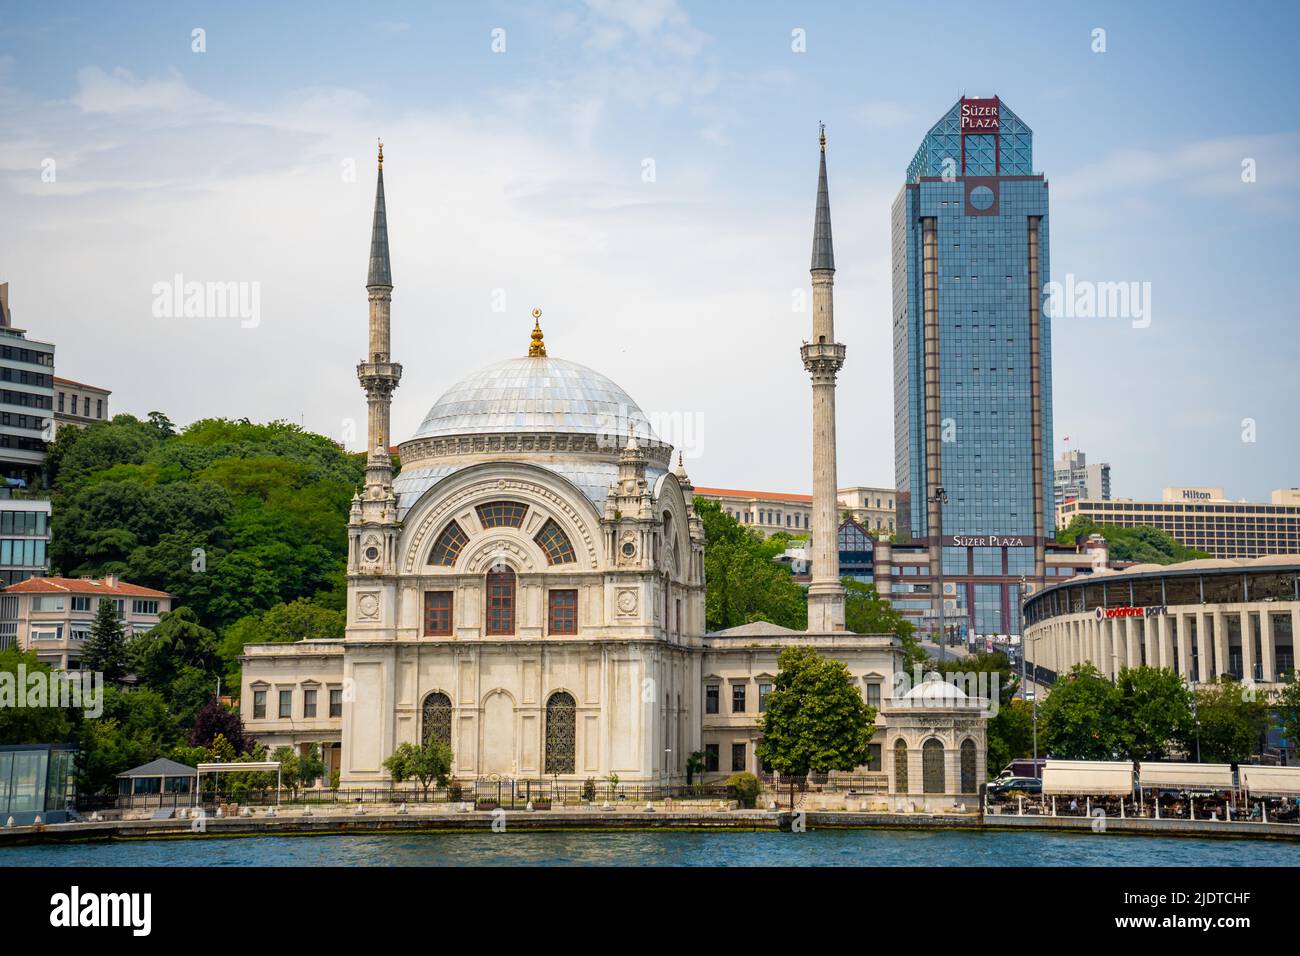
(759, 495)
(81, 586)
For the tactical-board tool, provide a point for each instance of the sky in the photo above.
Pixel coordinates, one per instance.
(645, 173)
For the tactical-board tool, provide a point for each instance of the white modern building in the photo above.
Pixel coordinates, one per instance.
(1203, 619)
(1074, 478)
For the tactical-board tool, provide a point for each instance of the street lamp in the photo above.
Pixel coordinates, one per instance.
(940, 498)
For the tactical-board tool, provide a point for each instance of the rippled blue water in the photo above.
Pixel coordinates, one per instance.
(815, 848)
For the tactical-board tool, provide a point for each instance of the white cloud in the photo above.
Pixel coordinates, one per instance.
(121, 92)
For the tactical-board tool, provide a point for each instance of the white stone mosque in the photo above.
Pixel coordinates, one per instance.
(530, 590)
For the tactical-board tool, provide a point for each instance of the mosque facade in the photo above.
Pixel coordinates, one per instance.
(529, 589)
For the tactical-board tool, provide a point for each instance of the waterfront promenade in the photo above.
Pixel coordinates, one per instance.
(296, 821)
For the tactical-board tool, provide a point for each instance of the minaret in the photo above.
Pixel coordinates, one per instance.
(823, 357)
(377, 374)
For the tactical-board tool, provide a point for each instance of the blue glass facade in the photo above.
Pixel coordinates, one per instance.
(975, 195)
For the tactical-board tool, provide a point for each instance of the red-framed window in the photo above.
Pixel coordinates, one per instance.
(563, 612)
(501, 602)
(437, 613)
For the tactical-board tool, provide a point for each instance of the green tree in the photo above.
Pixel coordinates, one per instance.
(305, 619)
(27, 725)
(428, 764)
(816, 720)
(135, 727)
(106, 650)
(743, 582)
(1142, 544)
(299, 769)
(1079, 719)
(178, 640)
(1231, 722)
(1154, 713)
(866, 612)
(1287, 709)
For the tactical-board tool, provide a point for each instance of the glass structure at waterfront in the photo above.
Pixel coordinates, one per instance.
(972, 361)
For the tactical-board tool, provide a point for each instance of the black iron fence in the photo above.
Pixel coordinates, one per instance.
(485, 794)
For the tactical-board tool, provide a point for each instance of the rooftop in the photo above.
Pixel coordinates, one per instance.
(83, 586)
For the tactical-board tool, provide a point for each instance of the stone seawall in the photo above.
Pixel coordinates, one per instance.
(293, 822)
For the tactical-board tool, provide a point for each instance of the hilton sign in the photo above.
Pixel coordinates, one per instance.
(980, 116)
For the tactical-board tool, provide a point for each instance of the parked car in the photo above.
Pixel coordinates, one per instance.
(1023, 767)
(1001, 787)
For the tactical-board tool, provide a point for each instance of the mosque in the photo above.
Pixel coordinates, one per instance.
(530, 590)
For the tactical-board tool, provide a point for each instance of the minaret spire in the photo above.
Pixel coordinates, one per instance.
(378, 374)
(823, 358)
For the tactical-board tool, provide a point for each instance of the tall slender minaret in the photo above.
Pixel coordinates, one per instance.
(377, 374)
(823, 357)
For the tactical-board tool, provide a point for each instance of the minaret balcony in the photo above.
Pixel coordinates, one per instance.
(378, 374)
(823, 357)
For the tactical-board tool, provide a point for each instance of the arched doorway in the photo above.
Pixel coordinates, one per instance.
(900, 765)
(435, 719)
(932, 766)
(561, 733)
(968, 766)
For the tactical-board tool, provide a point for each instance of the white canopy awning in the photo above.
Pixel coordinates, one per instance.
(1171, 775)
(1095, 778)
(1271, 781)
(250, 765)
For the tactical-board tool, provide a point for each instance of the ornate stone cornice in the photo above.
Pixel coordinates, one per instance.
(418, 451)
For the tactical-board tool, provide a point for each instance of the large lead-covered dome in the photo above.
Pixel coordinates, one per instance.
(535, 393)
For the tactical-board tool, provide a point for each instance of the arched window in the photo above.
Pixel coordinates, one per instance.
(932, 766)
(555, 543)
(501, 601)
(436, 719)
(900, 765)
(448, 546)
(968, 766)
(501, 514)
(561, 733)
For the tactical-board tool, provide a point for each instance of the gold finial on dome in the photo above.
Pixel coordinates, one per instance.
(381, 154)
(538, 347)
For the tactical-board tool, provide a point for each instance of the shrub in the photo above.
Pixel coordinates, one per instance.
(746, 786)
(589, 789)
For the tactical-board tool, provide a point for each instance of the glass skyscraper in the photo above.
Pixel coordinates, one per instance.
(972, 362)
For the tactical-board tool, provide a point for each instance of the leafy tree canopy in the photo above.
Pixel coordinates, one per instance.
(1143, 544)
(743, 582)
(816, 719)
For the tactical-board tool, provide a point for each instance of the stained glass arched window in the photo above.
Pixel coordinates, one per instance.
(435, 719)
(502, 514)
(932, 766)
(448, 546)
(555, 543)
(561, 733)
(900, 765)
(501, 601)
(968, 766)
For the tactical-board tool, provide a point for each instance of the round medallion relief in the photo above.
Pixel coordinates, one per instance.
(368, 605)
(627, 601)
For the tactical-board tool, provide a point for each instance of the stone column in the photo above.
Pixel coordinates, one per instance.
(1267, 650)
(1205, 648)
(1247, 648)
(1134, 654)
(1166, 640)
(1220, 642)
(1184, 646)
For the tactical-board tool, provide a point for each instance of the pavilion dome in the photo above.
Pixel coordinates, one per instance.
(934, 691)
